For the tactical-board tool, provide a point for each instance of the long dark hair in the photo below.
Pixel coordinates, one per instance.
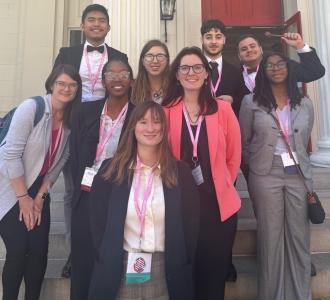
(206, 101)
(71, 107)
(263, 94)
(124, 160)
(141, 89)
(124, 61)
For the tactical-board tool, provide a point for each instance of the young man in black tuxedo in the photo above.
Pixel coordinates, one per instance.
(89, 58)
(226, 78)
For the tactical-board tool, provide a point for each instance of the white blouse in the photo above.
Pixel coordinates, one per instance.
(153, 238)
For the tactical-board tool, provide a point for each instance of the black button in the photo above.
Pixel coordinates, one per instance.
(296, 130)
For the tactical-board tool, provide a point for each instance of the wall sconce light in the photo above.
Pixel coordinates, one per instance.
(167, 12)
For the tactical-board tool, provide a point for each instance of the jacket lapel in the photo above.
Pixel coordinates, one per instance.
(175, 127)
(77, 56)
(212, 129)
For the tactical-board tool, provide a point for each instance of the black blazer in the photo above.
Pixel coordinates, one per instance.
(72, 55)
(84, 139)
(108, 214)
(309, 69)
(231, 83)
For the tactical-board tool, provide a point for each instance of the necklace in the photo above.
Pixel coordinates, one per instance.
(157, 94)
(194, 115)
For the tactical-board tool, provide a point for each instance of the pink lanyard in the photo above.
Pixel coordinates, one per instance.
(141, 212)
(51, 152)
(284, 122)
(215, 88)
(104, 137)
(250, 84)
(194, 140)
(94, 77)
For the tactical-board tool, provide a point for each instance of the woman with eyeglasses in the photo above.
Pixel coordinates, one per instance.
(145, 218)
(95, 136)
(204, 132)
(32, 156)
(275, 187)
(151, 81)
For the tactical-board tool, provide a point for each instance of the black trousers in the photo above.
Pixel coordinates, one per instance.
(27, 251)
(82, 255)
(214, 249)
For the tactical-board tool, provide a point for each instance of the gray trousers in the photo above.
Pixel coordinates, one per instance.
(283, 234)
(67, 199)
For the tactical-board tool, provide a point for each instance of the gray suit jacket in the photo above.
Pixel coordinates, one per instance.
(260, 133)
(25, 150)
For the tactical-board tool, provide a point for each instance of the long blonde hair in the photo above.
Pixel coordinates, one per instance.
(124, 160)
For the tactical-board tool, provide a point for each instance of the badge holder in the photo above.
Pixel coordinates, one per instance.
(138, 267)
(87, 180)
(288, 163)
(197, 171)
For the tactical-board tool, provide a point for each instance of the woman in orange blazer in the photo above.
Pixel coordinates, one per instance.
(204, 132)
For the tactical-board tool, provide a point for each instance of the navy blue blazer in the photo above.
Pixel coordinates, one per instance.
(108, 214)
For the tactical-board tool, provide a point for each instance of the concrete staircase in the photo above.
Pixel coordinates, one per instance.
(57, 288)
(245, 245)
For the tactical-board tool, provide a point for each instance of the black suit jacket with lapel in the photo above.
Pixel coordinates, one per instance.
(231, 83)
(108, 215)
(84, 139)
(73, 55)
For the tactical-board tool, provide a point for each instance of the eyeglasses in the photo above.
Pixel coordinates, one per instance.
(160, 57)
(279, 66)
(63, 85)
(123, 75)
(197, 69)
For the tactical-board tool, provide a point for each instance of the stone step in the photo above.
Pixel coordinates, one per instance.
(56, 288)
(245, 288)
(245, 241)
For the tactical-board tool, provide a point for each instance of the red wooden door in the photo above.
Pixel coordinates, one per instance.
(244, 12)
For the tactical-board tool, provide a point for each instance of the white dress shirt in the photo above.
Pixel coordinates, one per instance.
(218, 60)
(95, 58)
(153, 239)
(112, 144)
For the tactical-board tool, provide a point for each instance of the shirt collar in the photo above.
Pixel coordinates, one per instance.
(89, 44)
(218, 60)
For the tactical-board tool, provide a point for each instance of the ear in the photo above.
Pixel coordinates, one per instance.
(109, 27)
(103, 83)
(82, 27)
(239, 57)
(262, 52)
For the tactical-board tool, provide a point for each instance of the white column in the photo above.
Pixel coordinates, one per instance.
(321, 157)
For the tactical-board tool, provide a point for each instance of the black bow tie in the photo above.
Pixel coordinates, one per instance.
(99, 49)
(249, 71)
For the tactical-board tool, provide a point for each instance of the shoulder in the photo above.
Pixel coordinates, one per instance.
(229, 67)
(72, 49)
(115, 52)
(305, 101)
(248, 99)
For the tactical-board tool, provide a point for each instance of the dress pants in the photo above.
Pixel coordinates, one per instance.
(214, 247)
(67, 199)
(283, 234)
(27, 251)
(82, 252)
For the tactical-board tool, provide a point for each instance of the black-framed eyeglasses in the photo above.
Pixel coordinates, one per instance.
(279, 66)
(197, 69)
(160, 57)
(123, 75)
(63, 85)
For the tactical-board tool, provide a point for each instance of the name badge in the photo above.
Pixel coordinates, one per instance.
(87, 180)
(138, 267)
(288, 163)
(198, 175)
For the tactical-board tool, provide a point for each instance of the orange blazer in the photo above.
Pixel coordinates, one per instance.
(224, 140)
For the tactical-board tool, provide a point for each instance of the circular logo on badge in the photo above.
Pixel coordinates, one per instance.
(139, 265)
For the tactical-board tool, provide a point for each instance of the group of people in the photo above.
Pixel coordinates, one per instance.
(150, 165)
